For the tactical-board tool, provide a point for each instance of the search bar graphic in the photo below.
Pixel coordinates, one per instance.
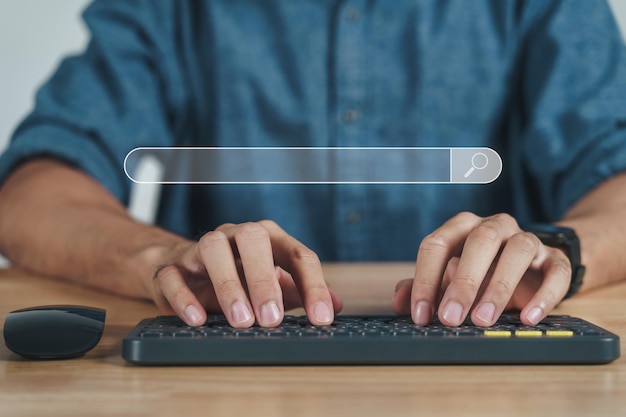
(315, 165)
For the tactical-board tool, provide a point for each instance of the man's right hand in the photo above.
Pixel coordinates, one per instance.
(250, 272)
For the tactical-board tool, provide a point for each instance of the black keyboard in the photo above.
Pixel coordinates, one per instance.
(369, 340)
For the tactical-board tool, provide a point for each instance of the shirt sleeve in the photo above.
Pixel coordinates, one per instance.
(121, 93)
(573, 105)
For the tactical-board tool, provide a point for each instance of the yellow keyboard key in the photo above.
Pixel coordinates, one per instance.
(528, 333)
(559, 333)
(497, 333)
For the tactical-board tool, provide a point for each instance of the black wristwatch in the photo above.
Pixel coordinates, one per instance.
(564, 238)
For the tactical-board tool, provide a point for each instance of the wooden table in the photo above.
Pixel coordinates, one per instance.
(102, 384)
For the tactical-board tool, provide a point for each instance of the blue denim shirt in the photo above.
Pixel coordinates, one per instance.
(541, 82)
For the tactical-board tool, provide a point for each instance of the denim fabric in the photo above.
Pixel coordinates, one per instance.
(541, 82)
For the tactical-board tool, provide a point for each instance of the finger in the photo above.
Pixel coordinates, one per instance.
(401, 300)
(481, 248)
(255, 251)
(336, 300)
(214, 249)
(170, 282)
(557, 272)
(228, 230)
(432, 259)
(206, 296)
(526, 289)
(450, 272)
(306, 270)
(291, 294)
(517, 255)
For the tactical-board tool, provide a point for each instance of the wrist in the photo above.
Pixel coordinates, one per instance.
(157, 250)
(566, 240)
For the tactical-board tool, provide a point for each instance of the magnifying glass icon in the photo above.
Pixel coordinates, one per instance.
(479, 161)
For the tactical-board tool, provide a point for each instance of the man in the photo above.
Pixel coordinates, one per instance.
(541, 82)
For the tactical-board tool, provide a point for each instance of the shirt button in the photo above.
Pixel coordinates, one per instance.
(354, 217)
(352, 14)
(351, 116)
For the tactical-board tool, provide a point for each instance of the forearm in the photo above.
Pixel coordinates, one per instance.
(599, 219)
(57, 221)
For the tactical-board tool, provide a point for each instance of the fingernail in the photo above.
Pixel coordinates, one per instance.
(452, 313)
(240, 312)
(534, 315)
(192, 315)
(485, 312)
(423, 312)
(270, 312)
(322, 313)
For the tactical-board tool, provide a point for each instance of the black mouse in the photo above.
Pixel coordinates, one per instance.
(53, 332)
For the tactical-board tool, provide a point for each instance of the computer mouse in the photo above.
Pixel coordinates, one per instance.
(53, 332)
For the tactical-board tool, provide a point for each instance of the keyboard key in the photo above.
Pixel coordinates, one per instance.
(184, 334)
(497, 333)
(528, 333)
(559, 333)
(150, 334)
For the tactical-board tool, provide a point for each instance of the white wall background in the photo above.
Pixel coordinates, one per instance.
(619, 8)
(36, 34)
